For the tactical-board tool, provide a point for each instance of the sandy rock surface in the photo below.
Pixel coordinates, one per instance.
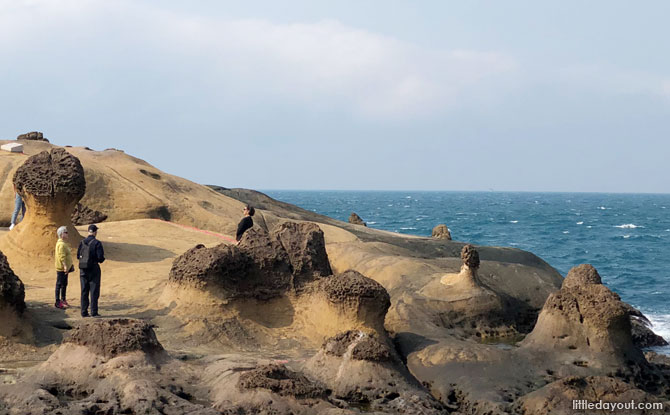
(307, 315)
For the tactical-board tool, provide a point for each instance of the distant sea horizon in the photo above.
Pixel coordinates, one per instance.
(626, 236)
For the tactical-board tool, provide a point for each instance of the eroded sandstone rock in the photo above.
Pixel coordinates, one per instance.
(112, 337)
(356, 220)
(34, 135)
(441, 232)
(51, 183)
(585, 317)
(282, 381)
(12, 293)
(83, 215)
(306, 248)
(359, 345)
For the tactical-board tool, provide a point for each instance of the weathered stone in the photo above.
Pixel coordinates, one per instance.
(83, 215)
(12, 292)
(356, 220)
(441, 232)
(112, 337)
(306, 248)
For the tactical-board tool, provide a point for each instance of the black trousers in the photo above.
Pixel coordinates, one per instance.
(61, 285)
(90, 285)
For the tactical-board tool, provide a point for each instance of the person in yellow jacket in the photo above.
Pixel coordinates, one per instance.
(63, 266)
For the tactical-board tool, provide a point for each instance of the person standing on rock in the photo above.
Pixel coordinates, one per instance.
(245, 223)
(18, 206)
(64, 266)
(90, 255)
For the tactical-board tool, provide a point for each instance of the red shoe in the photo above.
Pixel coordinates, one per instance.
(59, 305)
(64, 304)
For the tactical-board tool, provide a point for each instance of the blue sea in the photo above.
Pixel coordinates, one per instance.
(625, 236)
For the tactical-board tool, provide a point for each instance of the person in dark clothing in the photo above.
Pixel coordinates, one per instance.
(90, 254)
(245, 223)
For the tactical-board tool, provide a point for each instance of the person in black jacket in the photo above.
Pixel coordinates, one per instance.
(90, 255)
(245, 223)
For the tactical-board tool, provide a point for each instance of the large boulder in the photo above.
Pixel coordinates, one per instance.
(356, 220)
(258, 268)
(12, 292)
(33, 135)
(50, 183)
(586, 320)
(306, 248)
(441, 232)
(355, 358)
(114, 337)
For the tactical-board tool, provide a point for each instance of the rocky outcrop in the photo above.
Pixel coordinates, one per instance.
(12, 292)
(581, 275)
(231, 272)
(108, 367)
(560, 396)
(262, 266)
(354, 358)
(282, 381)
(83, 215)
(356, 220)
(441, 232)
(113, 337)
(51, 183)
(306, 249)
(584, 317)
(34, 135)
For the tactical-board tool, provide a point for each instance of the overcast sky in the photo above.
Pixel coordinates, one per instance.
(435, 95)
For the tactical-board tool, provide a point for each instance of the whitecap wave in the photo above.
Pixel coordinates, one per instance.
(371, 223)
(580, 223)
(660, 323)
(602, 208)
(408, 197)
(566, 231)
(626, 236)
(589, 227)
(408, 228)
(514, 221)
(629, 226)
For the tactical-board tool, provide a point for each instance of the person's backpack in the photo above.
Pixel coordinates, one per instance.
(85, 259)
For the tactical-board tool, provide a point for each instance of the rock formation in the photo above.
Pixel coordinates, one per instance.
(355, 358)
(84, 215)
(352, 300)
(466, 280)
(558, 397)
(113, 337)
(587, 320)
(11, 288)
(51, 183)
(441, 232)
(356, 220)
(306, 249)
(34, 135)
(107, 366)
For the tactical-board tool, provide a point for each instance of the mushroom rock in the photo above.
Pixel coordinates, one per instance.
(354, 358)
(83, 215)
(306, 248)
(34, 136)
(356, 220)
(586, 320)
(347, 301)
(50, 183)
(441, 232)
(466, 279)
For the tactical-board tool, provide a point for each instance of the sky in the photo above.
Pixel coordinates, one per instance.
(351, 95)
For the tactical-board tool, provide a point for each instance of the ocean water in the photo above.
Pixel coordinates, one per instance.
(625, 236)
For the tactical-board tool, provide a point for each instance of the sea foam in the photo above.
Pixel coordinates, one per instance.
(628, 226)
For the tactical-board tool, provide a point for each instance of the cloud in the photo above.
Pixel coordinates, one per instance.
(90, 45)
